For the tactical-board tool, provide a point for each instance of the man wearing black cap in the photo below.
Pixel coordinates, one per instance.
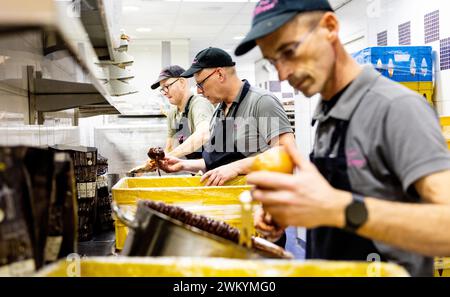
(188, 118)
(374, 138)
(247, 120)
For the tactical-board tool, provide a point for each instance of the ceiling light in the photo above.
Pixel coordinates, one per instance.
(131, 8)
(143, 30)
(212, 8)
(238, 37)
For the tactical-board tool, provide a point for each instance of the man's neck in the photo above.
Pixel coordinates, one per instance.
(233, 91)
(184, 102)
(345, 71)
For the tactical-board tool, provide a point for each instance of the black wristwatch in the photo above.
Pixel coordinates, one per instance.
(356, 213)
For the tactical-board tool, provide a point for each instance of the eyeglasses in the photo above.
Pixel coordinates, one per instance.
(165, 89)
(290, 51)
(200, 84)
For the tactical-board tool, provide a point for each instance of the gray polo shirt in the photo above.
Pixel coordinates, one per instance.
(393, 139)
(259, 119)
(200, 110)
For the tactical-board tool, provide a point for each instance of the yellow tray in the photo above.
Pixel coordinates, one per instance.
(215, 267)
(172, 181)
(445, 124)
(220, 203)
(442, 267)
(424, 88)
(445, 121)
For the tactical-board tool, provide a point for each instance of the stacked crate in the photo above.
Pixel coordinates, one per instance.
(104, 221)
(411, 66)
(85, 163)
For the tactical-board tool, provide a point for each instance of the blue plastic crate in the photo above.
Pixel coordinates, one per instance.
(400, 63)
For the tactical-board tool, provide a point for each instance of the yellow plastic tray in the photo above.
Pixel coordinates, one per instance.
(220, 203)
(173, 181)
(445, 123)
(215, 267)
(424, 88)
(442, 267)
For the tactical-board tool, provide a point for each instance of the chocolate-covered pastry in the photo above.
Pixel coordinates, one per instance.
(156, 154)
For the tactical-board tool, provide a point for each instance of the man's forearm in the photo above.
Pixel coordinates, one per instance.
(192, 144)
(194, 166)
(421, 228)
(243, 166)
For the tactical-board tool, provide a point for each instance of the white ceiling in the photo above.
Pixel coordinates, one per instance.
(205, 23)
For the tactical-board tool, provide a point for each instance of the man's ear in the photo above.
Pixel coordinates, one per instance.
(331, 22)
(222, 74)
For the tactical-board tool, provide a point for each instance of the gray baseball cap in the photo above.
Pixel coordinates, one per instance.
(173, 71)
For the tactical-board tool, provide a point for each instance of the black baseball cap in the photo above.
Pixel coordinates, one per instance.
(173, 71)
(269, 15)
(209, 58)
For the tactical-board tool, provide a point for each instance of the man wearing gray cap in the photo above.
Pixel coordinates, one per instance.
(246, 122)
(188, 118)
(377, 186)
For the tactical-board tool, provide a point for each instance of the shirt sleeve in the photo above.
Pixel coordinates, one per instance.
(415, 143)
(272, 118)
(202, 111)
(171, 131)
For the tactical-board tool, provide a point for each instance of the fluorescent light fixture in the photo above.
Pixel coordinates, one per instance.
(143, 30)
(238, 37)
(131, 8)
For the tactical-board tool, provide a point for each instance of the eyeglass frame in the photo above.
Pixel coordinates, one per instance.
(164, 88)
(295, 46)
(200, 84)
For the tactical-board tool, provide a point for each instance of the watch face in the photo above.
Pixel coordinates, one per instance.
(357, 214)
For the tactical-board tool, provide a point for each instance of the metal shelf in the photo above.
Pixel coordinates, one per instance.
(58, 60)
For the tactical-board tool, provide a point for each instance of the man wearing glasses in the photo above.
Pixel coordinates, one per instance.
(377, 186)
(188, 118)
(247, 120)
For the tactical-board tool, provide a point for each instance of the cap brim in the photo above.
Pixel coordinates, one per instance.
(190, 72)
(157, 84)
(262, 29)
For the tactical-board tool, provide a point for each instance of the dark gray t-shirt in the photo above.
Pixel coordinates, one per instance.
(393, 140)
(258, 120)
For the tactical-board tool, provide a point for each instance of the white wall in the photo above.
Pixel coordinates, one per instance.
(353, 21)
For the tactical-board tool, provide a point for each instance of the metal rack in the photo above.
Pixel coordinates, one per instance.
(51, 62)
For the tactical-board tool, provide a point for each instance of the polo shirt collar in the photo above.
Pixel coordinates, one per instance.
(350, 99)
(236, 100)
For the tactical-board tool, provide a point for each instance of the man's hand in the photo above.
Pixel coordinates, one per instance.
(171, 164)
(149, 166)
(305, 200)
(265, 226)
(220, 175)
